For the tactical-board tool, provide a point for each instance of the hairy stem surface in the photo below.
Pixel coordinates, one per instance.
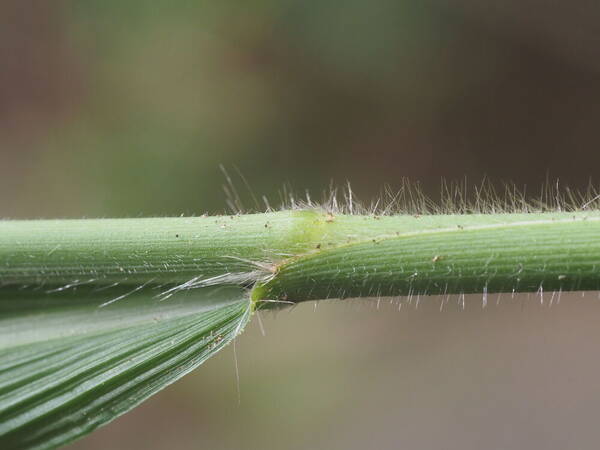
(310, 254)
(517, 254)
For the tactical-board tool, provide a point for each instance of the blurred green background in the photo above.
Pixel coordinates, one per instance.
(127, 108)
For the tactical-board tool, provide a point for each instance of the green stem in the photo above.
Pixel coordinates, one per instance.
(312, 254)
(133, 251)
(451, 255)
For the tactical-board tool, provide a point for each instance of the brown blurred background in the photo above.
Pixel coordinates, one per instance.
(127, 109)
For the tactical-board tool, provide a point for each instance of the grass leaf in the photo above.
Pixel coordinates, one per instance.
(97, 315)
(69, 365)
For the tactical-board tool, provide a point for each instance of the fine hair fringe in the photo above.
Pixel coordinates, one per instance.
(454, 198)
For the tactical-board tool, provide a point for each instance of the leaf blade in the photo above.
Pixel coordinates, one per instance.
(53, 391)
